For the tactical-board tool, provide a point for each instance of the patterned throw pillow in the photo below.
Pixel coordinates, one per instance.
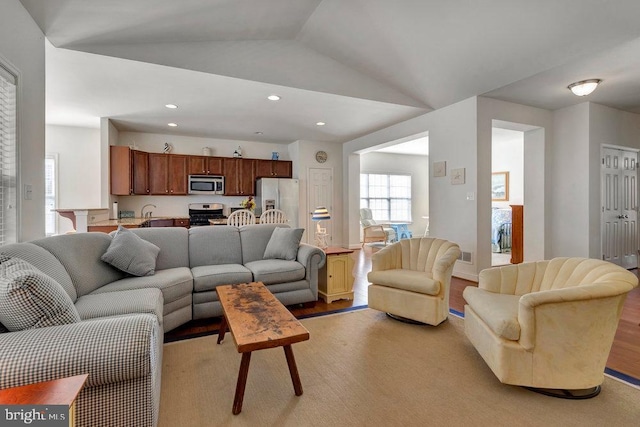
(30, 299)
(131, 253)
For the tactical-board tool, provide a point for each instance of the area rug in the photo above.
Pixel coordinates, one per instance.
(362, 368)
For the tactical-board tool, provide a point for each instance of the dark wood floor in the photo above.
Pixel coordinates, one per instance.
(624, 356)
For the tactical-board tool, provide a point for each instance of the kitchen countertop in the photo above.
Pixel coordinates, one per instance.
(132, 221)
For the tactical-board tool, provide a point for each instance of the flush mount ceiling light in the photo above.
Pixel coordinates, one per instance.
(584, 87)
(173, 125)
(172, 106)
(320, 123)
(273, 98)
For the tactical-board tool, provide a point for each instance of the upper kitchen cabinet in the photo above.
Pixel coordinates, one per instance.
(167, 174)
(205, 165)
(120, 170)
(273, 169)
(140, 172)
(239, 176)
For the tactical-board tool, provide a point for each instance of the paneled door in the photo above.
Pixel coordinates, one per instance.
(620, 206)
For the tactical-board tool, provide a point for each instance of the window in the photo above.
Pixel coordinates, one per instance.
(8, 186)
(50, 186)
(388, 196)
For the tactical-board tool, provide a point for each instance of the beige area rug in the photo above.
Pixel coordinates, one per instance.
(361, 368)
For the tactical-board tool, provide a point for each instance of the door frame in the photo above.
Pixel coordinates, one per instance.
(601, 206)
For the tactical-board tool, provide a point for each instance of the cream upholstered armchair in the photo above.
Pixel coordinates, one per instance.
(374, 232)
(548, 325)
(410, 279)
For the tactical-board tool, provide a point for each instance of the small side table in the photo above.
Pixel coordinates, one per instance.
(335, 279)
(402, 230)
(56, 392)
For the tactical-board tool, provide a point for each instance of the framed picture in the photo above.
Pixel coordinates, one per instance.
(500, 186)
(457, 176)
(439, 168)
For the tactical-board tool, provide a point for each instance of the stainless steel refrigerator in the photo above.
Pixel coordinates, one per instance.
(278, 193)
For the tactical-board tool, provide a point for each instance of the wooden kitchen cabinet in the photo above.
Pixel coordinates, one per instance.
(181, 222)
(167, 174)
(205, 165)
(120, 170)
(273, 169)
(239, 177)
(335, 278)
(140, 172)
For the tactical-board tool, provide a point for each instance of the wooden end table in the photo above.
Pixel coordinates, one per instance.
(63, 391)
(335, 278)
(257, 320)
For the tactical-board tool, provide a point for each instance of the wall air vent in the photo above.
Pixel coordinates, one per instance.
(465, 257)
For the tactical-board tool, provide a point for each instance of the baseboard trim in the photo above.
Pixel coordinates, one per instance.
(466, 276)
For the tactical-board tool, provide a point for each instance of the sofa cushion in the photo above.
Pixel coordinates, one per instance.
(92, 272)
(174, 283)
(173, 243)
(118, 303)
(215, 245)
(44, 261)
(131, 253)
(408, 280)
(254, 240)
(498, 311)
(276, 271)
(31, 299)
(207, 277)
(284, 243)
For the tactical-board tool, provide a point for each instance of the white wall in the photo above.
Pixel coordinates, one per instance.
(79, 168)
(507, 155)
(452, 138)
(22, 51)
(569, 175)
(417, 167)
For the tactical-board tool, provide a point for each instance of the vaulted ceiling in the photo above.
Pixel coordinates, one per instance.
(357, 65)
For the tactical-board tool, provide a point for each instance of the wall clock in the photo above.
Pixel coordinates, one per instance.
(321, 156)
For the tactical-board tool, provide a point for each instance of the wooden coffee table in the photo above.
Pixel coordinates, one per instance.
(257, 320)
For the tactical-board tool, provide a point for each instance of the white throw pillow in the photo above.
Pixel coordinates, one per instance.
(131, 253)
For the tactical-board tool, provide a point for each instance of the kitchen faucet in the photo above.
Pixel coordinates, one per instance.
(148, 214)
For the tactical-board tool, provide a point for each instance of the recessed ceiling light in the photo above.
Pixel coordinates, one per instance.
(172, 106)
(273, 98)
(321, 123)
(258, 133)
(173, 125)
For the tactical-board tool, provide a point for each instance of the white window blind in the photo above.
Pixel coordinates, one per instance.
(388, 196)
(8, 186)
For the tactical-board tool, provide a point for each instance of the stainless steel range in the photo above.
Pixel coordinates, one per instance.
(201, 213)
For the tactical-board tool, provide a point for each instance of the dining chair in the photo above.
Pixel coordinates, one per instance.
(241, 217)
(273, 216)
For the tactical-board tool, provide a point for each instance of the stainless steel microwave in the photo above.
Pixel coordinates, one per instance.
(206, 184)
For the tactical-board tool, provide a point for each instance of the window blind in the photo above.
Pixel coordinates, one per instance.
(8, 185)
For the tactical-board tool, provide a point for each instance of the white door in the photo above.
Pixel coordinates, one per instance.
(620, 207)
(320, 193)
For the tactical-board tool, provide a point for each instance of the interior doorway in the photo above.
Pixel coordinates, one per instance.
(507, 192)
(620, 206)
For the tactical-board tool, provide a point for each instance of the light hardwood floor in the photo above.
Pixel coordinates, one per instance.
(624, 356)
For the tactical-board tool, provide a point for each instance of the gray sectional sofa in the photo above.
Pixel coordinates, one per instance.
(118, 338)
